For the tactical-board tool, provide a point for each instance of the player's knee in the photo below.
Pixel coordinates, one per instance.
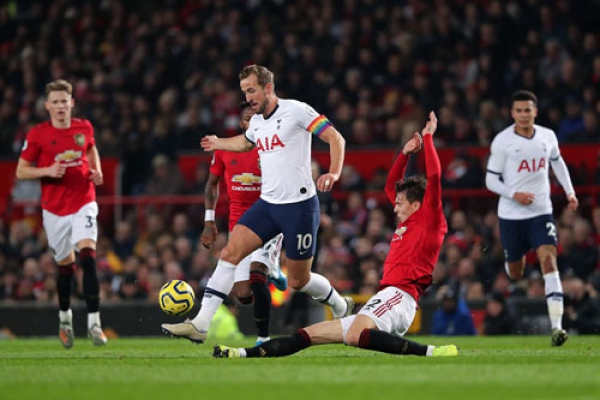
(232, 255)
(548, 264)
(514, 271)
(296, 283)
(353, 337)
(243, 291)
(66, 270)
(87, 258)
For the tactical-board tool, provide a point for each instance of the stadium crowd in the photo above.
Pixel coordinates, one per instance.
(154, 77)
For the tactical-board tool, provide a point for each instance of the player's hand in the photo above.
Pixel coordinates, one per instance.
(96, 176)
(573, 202)
(209, 234)
(431, 125)
(413, 145)
(209, 143)
(57, 170)
(326, 181)
(524, 198)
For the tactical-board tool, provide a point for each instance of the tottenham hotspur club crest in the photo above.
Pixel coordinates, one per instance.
(79, 139)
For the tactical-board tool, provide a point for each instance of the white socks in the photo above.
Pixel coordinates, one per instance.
(217, 289)
(429, 352)
(93, 319)
(65, 317)
(319, 288)
(554, 298)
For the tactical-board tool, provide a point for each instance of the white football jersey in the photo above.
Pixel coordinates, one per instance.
(523, 163)
(284, 143)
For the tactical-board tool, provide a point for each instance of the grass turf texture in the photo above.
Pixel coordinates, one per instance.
(516, 367)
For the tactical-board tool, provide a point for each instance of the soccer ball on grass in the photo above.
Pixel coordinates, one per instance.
(176, 298)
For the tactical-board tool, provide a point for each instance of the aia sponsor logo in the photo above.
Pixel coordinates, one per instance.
(532, 165)
(269, 143)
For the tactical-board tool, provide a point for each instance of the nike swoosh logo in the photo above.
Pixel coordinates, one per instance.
(303, 252)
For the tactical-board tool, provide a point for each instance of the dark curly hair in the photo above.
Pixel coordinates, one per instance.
(523, 95)
(414, 187)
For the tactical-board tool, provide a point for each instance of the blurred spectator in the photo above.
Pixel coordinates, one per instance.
(198, 184)
(535, 286)
(123, 240)
(454, 316)
(579, 255)
(130, 289)
(573, 122)
(351, 180)
(462, 172)
(589, 132)
(582, 309)
(166, 179)
(498, 320)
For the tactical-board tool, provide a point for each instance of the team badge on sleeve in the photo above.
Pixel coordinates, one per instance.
(311, 111)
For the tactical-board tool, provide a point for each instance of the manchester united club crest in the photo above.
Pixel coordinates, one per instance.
(79, 139)
(400, 231)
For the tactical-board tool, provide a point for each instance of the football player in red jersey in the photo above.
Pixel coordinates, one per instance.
(62, 153)
(414, 249)
(241, 173)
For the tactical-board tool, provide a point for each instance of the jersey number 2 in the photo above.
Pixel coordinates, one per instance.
(551, 229)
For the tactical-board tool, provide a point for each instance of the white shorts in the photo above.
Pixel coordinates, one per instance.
(392, 309)
(268, 255)
(64, 232)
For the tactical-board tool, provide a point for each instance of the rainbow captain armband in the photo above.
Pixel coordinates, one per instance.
(319, 125)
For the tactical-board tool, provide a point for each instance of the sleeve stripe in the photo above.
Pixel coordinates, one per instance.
(555, 159)
(494, 172)
(319, 125)
(249, 140)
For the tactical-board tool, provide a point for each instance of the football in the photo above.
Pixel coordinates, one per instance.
(176, 298)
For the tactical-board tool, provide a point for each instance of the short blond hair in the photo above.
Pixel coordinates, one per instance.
(59, 85)
(263, 75)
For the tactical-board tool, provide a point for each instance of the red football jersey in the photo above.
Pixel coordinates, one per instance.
(416, 244)
(46, 144)
(242, 177)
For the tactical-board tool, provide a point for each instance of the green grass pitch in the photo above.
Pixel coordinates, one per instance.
(515, 367)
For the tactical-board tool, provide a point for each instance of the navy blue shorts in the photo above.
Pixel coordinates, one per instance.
(298, 222)
(520, 236)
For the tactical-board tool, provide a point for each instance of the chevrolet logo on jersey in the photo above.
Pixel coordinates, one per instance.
(68, 155)
(246, 178)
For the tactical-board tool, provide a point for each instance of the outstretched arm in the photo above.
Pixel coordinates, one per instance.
(237, 143)
(433, 194)
(399, 168)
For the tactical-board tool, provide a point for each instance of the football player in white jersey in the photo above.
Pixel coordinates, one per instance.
(282, 132)
(518, 170)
